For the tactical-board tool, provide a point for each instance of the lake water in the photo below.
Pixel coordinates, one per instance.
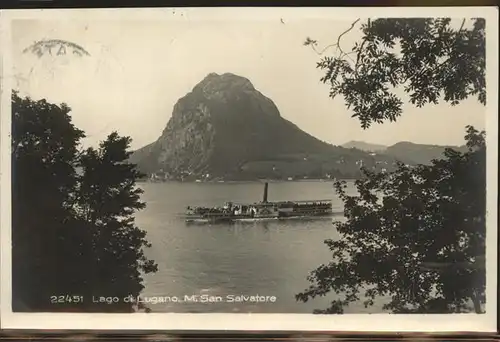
(245, 259)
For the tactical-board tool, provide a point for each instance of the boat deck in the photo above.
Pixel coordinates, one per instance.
(264, 210)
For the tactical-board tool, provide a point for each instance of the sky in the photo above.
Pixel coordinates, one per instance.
(137, 70)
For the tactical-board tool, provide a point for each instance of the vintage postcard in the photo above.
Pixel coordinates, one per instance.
(292, 169)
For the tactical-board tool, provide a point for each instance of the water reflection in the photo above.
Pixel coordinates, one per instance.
(268, 258)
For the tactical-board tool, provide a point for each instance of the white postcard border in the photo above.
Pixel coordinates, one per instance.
(252, 322)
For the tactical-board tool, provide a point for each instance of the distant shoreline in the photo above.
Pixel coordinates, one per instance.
(249, 181)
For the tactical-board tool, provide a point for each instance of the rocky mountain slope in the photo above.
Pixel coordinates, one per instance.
(225, 127)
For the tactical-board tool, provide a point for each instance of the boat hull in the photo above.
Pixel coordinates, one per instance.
(262, 211)
(222, 220)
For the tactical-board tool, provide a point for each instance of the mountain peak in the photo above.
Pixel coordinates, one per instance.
(221, 126)
(214, 82)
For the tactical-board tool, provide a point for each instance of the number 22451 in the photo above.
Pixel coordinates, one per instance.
(66, 299)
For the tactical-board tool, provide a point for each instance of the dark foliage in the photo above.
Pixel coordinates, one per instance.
(430, 58)
(73, 233)
(400, 225)
(44, 151)
(415, 235)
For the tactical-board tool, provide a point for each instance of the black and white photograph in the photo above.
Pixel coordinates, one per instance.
(305, 166)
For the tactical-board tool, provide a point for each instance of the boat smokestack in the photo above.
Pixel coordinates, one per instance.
(265, 192)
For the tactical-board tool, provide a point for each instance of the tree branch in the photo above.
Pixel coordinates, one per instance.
(337, 44)
(348, 30)
(461, 26)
